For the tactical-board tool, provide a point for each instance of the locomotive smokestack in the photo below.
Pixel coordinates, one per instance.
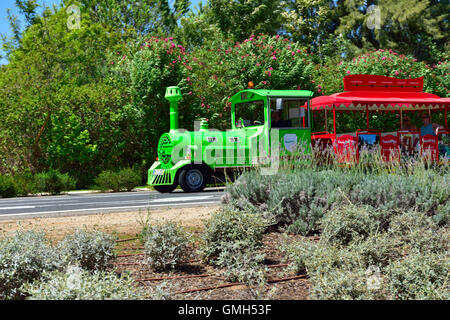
(173, 94)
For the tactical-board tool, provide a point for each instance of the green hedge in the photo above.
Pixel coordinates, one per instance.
(54, 182)
(126, 179)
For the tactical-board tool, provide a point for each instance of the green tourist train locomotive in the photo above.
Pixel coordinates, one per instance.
(263, 122)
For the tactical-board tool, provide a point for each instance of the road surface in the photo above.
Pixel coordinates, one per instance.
(92, 203)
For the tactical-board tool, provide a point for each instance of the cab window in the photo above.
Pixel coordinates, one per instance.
(249, 113)
(289, 113)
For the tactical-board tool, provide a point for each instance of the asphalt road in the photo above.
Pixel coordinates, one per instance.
(91, 203)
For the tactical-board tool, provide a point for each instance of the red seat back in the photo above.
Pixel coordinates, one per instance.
(390, 147)
(346, 148)
(429, 147)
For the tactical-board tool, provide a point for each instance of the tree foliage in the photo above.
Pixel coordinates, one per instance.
(88, 99)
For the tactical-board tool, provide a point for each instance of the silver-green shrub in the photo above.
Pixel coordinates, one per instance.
(92, 250)
(346, 224)
(166, 245)
(231, 230)
(389, 255)
(79, 284)
(298, 199)
(419, 233)
(23, 258)
(243, 264)
(419, 277)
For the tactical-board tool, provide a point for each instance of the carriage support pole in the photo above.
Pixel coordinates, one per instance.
(367, 117)
(334, 120)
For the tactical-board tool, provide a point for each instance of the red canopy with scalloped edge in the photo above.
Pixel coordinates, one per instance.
(373, 92)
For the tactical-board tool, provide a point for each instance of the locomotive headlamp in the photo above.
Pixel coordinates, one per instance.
(251, 85)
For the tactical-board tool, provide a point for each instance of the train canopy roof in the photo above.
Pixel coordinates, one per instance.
(375, 92)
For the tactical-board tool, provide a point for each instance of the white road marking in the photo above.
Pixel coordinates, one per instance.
(21, 207)
(182, 199)
(99, 209)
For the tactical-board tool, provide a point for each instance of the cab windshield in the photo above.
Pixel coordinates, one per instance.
(249, 114)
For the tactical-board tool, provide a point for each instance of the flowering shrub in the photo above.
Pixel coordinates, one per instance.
(92, 250)
(23, 258)
(143, 73)
(385, 63)
(225, 68)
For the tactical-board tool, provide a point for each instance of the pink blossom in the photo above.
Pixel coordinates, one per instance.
(172, 45)
(171, 38)
(384, 58)
(190, 93)
(274, 58)
(396, 73)
(348, 71)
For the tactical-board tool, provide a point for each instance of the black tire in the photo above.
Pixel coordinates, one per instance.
(193, 179)
(165, 189)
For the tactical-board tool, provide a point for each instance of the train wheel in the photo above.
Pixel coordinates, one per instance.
(193, 179)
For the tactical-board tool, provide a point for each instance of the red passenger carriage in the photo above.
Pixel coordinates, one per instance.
(372, 93)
